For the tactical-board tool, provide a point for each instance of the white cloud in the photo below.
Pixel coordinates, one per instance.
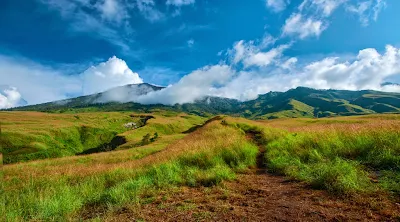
(37, 83)
(361, 10)
(195, 85)
(112, 10)
(288, 64)
(326, 7)
(379, 6)
(106, 75)
(368, 70)
(148, 10)
(253, 54)
(9, 97)
(262, 59)
(297, 25)
(266, 41)
(277, 5)
(367, 10)
(179, 3)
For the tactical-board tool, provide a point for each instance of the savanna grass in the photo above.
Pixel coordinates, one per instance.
(204, 158)
(341, 155)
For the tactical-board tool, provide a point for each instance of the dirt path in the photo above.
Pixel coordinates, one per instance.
(259, 196)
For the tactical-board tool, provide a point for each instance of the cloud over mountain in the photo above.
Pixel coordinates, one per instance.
(109, 74)
(10, 97)
(37, 83)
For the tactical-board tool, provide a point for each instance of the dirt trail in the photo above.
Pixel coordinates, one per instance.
(259, 196)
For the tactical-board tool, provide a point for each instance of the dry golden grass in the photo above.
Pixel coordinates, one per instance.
(352, 123)
(83, 166)
(34, 132)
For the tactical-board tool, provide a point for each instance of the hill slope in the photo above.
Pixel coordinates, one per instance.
(299, 102)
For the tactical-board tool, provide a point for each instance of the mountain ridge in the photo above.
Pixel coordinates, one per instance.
(297, 102)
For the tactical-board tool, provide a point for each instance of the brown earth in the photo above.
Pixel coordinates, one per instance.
(257, 195)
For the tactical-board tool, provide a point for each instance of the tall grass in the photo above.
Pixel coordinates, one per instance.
(342, 155)
(339, 159)
(204, 158)
(30, 136)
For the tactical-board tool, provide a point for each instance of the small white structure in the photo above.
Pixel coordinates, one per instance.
(130, 125)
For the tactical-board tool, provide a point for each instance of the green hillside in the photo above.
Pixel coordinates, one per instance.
(299, 102)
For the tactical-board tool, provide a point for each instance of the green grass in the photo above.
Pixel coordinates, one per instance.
(30, 136)
(206, 158)
(340, 155)
(337, 161)
(345, 155)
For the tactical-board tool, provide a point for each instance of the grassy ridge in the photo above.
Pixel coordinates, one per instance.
(205, 157)
(30, 136)
(342, 155)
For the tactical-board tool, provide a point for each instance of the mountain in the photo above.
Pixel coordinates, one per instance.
(309, 102)
(298, 102)
(121, 94)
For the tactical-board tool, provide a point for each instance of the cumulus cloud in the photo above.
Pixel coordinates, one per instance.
(298, 25)
(367, 10)
(37, 83)
(367, 70)
(254, 54)
(9, 97)
(106, 75)
(277, 5)
(271, 71)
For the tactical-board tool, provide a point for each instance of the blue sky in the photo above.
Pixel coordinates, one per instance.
(56, 49)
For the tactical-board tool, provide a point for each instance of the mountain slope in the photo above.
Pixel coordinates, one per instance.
(299, 102)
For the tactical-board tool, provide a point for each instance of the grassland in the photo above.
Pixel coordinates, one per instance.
(344, 155)
(33, 135)
(205, 157)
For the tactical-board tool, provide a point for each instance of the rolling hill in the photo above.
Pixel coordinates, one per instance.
(298, 102)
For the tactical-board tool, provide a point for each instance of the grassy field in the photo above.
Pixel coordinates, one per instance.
(343, 155)
(205, 157)
(32, 135)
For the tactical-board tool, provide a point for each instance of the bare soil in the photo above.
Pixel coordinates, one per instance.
(259, 196)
